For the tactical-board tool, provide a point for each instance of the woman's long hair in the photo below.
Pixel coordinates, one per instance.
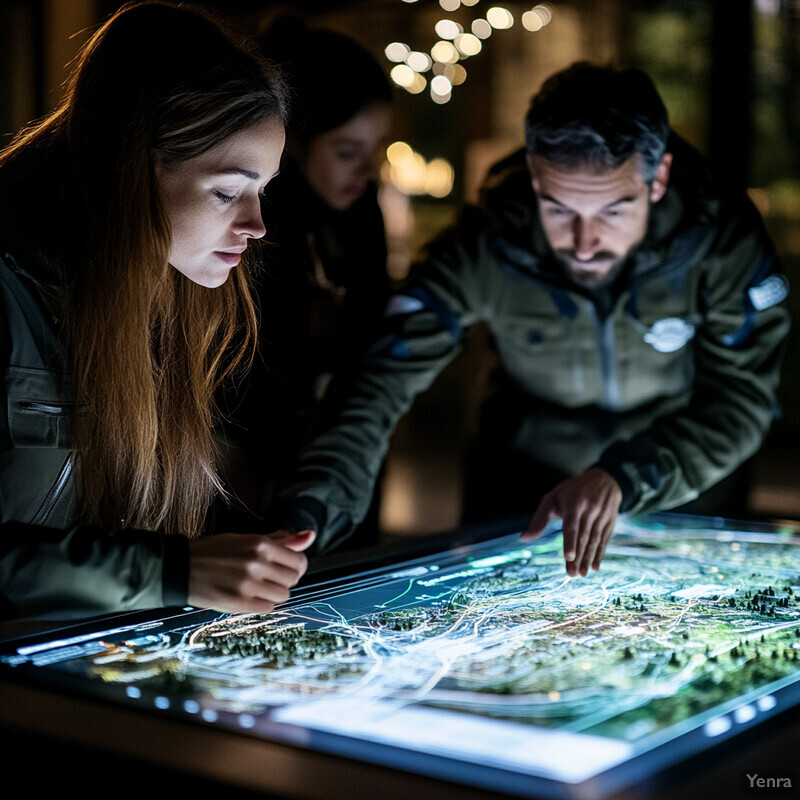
(154, 86)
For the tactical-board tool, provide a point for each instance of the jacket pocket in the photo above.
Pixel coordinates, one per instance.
(40, 409)
(35, 423)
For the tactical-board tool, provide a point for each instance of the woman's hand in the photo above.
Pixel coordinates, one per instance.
(242, 572)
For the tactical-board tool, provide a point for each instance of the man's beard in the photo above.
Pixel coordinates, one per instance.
(586, 273)
(592, 279)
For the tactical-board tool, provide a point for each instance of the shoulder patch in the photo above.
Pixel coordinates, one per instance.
(400, 304)
(771, 291)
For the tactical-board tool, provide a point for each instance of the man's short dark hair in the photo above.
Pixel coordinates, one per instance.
(598, 116)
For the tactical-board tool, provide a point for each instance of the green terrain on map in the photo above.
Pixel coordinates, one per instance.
(674, 625)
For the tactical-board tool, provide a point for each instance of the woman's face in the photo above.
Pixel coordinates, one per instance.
(340, 163)
(213, 201)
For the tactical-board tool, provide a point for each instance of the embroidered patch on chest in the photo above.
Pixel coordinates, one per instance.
(670, 334)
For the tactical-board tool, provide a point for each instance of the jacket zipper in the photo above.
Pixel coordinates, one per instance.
(604, 331)
(42, 408)
(55, 493)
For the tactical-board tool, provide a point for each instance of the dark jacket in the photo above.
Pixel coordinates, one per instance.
(50, 564)
(321, 293)
(668, 382)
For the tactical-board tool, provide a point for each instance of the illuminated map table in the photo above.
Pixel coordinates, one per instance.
(482, 667)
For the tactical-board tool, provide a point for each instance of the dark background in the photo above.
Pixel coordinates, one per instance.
(729, 72)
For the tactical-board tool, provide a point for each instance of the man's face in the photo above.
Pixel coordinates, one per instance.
(593, 218)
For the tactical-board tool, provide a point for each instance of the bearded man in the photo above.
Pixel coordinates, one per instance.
(638, 315)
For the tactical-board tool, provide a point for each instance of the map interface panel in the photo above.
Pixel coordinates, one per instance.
(486, 663)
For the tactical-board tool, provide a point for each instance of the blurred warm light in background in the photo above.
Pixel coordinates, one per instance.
(419, 62)
(447, 29)
(537, 17)
(406, 174)
(481, 28)
(455, 43)
(441, 88)
(445, 52)
(409, 172)
(468, 44)
(499, 18)
(439, 178)
(404, 76)
(397, 52)
(455, 73)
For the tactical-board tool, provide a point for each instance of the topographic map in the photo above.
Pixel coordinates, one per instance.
(680, 629)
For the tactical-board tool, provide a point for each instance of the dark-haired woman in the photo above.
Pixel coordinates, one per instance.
(325, 283)
(125, 217)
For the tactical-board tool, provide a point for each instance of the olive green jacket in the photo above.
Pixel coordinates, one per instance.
(669, 383)
(51, 565)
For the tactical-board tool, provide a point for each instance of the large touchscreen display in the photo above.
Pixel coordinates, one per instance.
(486, 661)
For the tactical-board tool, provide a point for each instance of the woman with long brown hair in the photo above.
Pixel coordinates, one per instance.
(124, 221)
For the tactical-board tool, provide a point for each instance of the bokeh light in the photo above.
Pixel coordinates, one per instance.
(397, 52)
(411, 174)
(444, 52)
(455, 73)
(544, 11)
(439, 177)
(402, 75)
(447, 29)
(411, 81)
(417, 85)
(500, 18)
(441, 85)
(419, 62)
(531, 21)
(537, 17)
(453, 45)
(468, 44)
(481, 28)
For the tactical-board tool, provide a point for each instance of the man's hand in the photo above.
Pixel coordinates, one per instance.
(242, 572)
(588, 505)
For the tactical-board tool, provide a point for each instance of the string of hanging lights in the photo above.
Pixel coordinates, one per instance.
(440, 68)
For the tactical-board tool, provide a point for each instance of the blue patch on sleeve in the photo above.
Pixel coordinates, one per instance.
(766, 288)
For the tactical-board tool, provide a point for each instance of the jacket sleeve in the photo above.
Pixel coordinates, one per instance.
(422, 332)
(738, 350)
(62, 574)
(63, 571)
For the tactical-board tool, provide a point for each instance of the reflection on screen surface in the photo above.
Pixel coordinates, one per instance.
(487, 655)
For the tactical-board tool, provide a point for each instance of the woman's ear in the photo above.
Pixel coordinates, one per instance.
(658, 188)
